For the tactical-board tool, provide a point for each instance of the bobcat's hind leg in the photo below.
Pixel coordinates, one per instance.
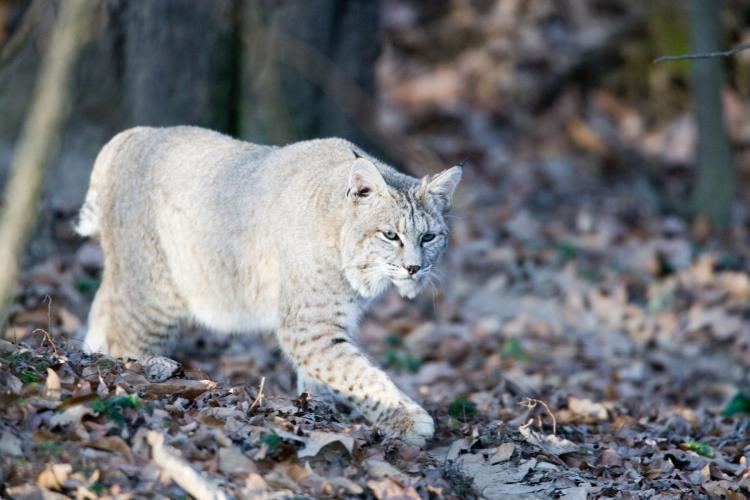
(124, 323)
(95, 339)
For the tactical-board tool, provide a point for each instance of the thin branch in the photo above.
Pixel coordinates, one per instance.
(704, 55)
(180, 471)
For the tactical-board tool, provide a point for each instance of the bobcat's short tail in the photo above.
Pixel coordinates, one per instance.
(87, 224)
(89, 220)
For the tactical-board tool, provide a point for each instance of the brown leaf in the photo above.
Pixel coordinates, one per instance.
(233, 461)
(316, 441)
(609, 457)
(186, 388)
(114, 444)
(53, 476)
(388, 489)
(503, 453)
(587, 409)
(52, 386)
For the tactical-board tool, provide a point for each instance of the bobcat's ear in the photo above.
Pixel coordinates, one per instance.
(440, 187)
(364, 180)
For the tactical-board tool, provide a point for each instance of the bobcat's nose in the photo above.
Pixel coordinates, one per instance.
(413, 269)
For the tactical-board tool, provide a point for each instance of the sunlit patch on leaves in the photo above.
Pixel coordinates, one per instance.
(113, 407)
(702, 449)
(740, 403)
(512, 348)
(462, 408)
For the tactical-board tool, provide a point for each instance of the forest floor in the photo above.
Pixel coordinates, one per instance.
(584, 341)
(571, 349)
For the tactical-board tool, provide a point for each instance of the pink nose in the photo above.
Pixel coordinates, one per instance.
(413, 270)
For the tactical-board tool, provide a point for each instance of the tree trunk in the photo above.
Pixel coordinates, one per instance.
(293, 54)
(715, 184)
(179, 63)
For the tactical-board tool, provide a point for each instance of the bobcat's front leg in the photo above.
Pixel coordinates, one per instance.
(316, 338)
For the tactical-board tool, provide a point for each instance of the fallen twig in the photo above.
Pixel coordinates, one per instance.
(259, 397)
(180, 471)
(531, 404)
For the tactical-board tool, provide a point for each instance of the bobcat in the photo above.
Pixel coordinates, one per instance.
(195, 225)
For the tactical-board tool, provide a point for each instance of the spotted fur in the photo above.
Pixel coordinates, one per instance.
(196, 226)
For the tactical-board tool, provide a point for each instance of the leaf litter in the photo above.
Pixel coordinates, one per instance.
(582, 342)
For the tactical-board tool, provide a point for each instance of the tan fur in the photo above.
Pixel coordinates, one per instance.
(196, 226)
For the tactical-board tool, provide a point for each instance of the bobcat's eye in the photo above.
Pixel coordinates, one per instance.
(390, 235)
(428, 237)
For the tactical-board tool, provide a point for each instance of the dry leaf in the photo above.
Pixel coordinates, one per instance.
(114, 444)
(54, 475)
(233, 461)
(52, 385)
(160, 368)
(549, 442)
(184, 387)
(388, 489)
(316, 441)
(503, 453)
(10, 445)
(587, 408)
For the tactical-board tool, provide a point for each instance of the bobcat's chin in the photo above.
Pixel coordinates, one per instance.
(408, 288)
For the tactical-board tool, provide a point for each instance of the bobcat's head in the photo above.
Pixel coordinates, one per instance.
(396, 230)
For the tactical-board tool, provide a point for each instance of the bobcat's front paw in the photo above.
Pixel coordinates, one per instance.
(411, 424)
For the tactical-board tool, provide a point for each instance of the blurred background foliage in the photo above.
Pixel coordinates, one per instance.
(424, 84)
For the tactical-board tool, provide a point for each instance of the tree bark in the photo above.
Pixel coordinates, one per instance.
(179, 62)
(715, 184)
(291, 51)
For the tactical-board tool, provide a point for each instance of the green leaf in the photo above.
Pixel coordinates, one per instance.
(112, 407)
(513, 349)
(462, 408)
(272, 441)
(566, 251)
(406, 361)
(97, 489)
(394, 341)
(127, 401)
(88, 286)
(702, 449)
(52, 447)
(740, 403)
